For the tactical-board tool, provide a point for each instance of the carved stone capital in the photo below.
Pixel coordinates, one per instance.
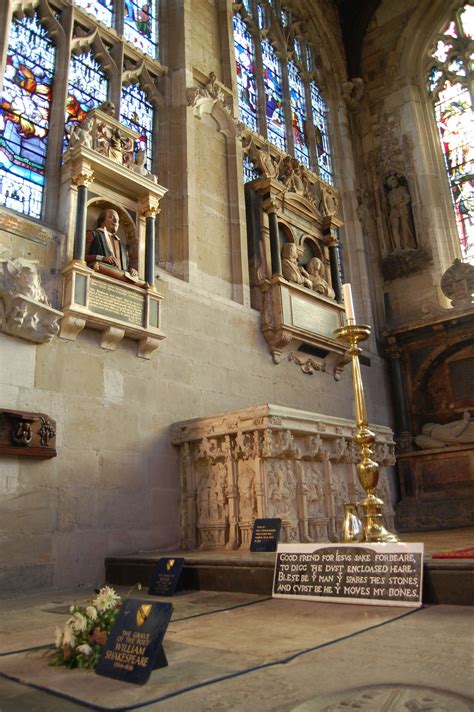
(151, 212)
(271, 205)
(83, 179)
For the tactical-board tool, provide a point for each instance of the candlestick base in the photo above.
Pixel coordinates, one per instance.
(374, 530)
(367, 468)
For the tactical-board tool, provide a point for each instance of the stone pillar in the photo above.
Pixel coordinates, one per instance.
(402, 416)
(82, 181)
(270, 207)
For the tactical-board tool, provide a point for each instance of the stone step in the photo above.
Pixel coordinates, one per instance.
(446, 581)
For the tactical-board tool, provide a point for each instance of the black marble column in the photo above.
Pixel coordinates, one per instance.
(335, 272)
(274, 243)
(402, 417)
(150, 259)
(80, 228)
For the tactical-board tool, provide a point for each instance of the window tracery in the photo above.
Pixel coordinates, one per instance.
(87, 88)
(24, 116)
(449, 83)
(136, 112)
(277, 79)
(141, 25)
(102, 10)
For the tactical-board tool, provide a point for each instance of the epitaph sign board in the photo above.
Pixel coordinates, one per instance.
(265, 534)
(166, 576)
(134, 647)
(378, 574)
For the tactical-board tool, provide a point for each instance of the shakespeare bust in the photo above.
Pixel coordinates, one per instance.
(106, 253)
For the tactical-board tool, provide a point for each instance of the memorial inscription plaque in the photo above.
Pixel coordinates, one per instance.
(134, 647)
(265, 534)
(313, 317)
(115, 301)
(378, 574)
(166, 576)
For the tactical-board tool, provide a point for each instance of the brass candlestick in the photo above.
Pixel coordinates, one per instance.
(367, 468)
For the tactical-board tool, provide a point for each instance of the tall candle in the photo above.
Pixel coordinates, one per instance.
(348, 303)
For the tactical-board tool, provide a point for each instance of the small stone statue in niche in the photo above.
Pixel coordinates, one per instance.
(434, 435)
(290, 267)
(81, 134)
(315, 270)
(402, 228)
(106, 253)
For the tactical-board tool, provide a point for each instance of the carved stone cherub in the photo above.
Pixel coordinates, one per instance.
(81, 134)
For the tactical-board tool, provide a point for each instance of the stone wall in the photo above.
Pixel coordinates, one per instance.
(114, 486)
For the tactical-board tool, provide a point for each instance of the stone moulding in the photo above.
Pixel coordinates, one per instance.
(270, 461)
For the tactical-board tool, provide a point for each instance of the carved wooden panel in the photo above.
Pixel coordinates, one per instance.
(27, 434)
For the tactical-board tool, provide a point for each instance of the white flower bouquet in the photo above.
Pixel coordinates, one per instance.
(80, 643)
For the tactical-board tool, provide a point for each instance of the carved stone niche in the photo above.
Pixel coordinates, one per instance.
(270, 461)
(24, 307)
(432, 371)
(100, 173)
(292, 231)
(27, 434)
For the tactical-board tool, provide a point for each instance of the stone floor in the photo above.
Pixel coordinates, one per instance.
(233, 651)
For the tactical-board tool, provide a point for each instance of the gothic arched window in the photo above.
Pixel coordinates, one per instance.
(136, 112)
(277, 80)
(140, 21)
(102, 10)
(87, 88)
(449, 83)
(24, 116)
(140, 25)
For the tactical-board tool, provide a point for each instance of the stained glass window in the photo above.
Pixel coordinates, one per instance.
(275, 70)
(298, 113)
(323, 151)
(102, 10)
(273, 96)
(87, 88)
(141, 25)
(448, 82)
(137, 113)
(250, 170)
(244, 62)
(24, 116)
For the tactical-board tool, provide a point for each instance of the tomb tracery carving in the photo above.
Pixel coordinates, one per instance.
(267, 462)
